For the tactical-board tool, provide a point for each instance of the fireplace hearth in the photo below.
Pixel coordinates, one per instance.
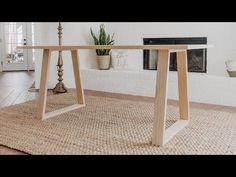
(197, 58)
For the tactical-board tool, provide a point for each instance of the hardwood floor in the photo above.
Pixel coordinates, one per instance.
(14, 89)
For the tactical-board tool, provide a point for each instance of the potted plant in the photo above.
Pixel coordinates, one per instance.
(103, 55)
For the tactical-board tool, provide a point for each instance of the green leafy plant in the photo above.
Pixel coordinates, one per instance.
(102, 39)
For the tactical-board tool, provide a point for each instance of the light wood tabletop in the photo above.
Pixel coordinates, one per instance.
(125, 47)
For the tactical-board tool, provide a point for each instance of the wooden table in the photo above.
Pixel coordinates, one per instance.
(160, 135)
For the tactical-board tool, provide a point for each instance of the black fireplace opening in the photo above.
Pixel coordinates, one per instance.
(197, 58)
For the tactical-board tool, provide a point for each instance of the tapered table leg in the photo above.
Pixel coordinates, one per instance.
(43, 84)
(183, 84)
(161, 97)
(78, 84)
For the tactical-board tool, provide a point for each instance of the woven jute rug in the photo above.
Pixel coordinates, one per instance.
(112, 126)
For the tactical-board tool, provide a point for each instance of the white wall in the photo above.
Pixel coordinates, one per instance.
(221, 35)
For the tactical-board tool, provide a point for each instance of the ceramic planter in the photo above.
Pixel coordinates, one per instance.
(104, 62)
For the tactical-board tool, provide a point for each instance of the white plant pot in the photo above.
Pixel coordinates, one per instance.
(104, 62)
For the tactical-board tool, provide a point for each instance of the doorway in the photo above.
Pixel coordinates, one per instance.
(14, 34)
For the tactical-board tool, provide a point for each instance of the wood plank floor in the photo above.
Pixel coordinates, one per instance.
(14, 89)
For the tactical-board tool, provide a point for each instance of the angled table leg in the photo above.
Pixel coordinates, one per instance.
(78, 84)
(182, 67)
(43, 84)
(161, 97)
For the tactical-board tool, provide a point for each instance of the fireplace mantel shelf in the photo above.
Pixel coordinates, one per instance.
(172, 48)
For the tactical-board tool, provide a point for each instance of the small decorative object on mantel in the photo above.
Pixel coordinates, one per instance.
(231, 67)
(119, 59)
(103, 55)
(60, 87)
